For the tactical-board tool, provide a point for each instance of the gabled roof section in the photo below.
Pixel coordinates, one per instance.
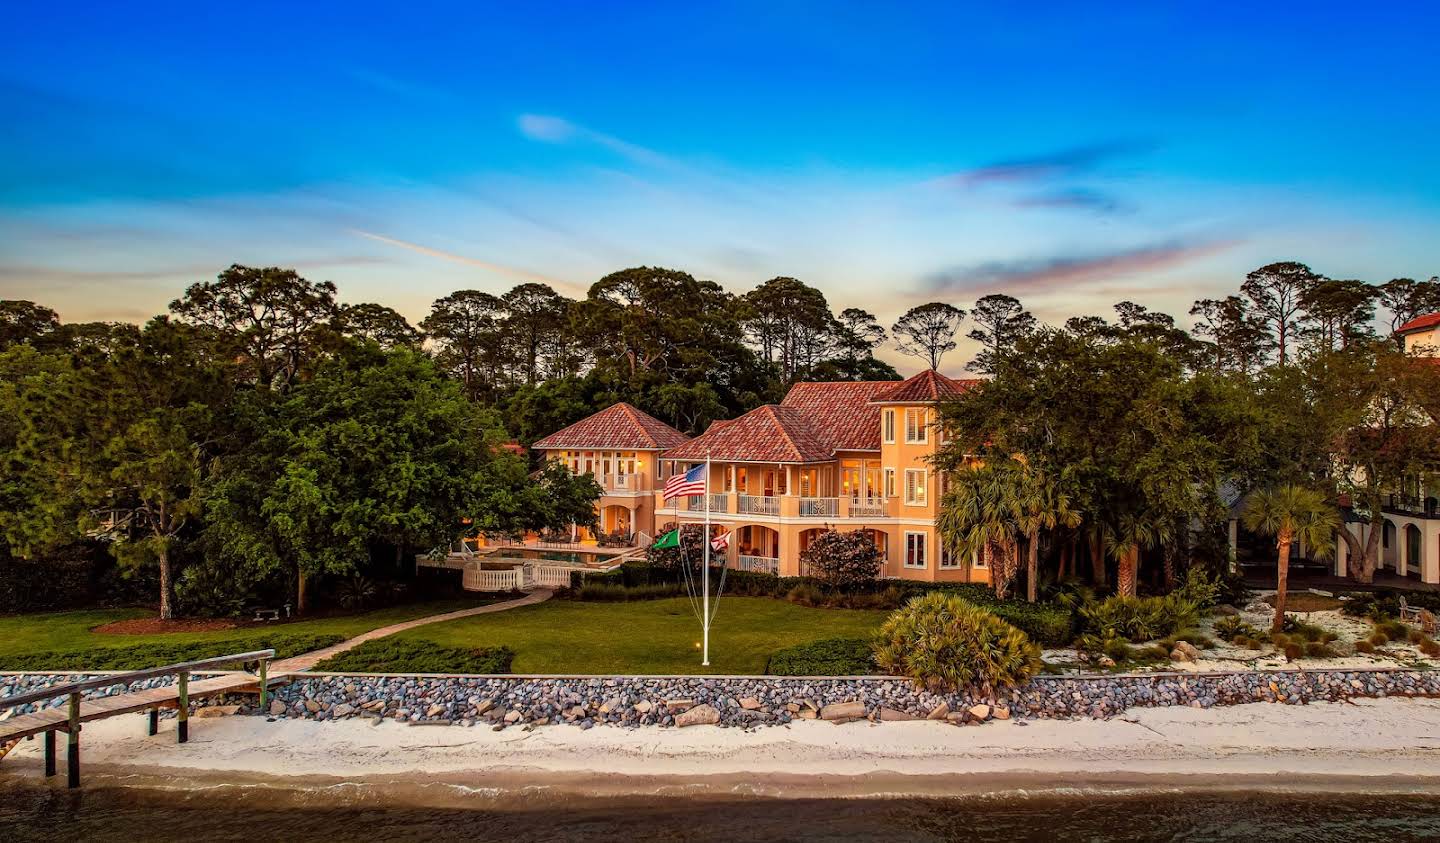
(617, 427)
(772, 433)
(928, 386)
(1420, 323)
(840, 412)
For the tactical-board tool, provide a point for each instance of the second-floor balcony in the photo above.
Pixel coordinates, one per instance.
(621, 482)
(782, 506)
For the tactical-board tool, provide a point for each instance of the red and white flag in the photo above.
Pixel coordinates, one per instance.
(720, 543)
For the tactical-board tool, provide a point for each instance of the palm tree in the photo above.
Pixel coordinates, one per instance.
(979, 515)
(1041, 505)
(1131, 533)
(1291, 513)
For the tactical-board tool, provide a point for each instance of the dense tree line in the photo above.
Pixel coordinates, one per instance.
(261, 437)
(1118, 440)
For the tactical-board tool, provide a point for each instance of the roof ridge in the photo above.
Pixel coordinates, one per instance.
(789, 440)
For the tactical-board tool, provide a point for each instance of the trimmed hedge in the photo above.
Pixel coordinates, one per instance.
(829, 657)
(158, 654)
(605, 592)
(401, 655)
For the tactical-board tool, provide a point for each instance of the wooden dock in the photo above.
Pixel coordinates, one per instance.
(70, 718)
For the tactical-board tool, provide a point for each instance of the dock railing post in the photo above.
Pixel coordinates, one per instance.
(183, 707)
(72, 749)
(154, 718)
(49, 753)
(264, 685)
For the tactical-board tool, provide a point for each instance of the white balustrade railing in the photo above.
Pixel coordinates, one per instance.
(502, 579)
(550, 576)
(622, 482)
(869, 508)
(759, 505)
(719, 502)
(759, 564)
(819, 507)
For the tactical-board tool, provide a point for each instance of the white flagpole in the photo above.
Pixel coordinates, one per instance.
(705, 572)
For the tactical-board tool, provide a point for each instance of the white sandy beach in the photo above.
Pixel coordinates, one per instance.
(1373, 741)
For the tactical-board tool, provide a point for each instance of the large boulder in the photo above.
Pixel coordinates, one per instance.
(700, 715)
(843, 712)
(1184, 652)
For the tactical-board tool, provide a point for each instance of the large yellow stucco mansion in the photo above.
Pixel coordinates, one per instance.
(843, 455)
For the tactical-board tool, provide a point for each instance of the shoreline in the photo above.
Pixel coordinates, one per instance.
(1382, 745)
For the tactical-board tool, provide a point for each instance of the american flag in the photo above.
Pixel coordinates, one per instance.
(691, 482)
(720, 543)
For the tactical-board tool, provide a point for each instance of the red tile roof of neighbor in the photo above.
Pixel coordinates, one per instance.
(815, 420)
(619, 426)
(1419, 323)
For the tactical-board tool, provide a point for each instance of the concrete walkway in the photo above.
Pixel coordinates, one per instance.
(305, 661)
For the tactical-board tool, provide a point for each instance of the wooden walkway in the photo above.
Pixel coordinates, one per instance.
(71, 718)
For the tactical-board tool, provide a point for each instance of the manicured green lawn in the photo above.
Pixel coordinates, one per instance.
(651, 636)
(71, 631)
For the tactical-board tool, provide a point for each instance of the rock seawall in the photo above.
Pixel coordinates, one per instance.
(500, 701)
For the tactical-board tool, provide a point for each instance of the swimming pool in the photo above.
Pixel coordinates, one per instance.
(572, 557)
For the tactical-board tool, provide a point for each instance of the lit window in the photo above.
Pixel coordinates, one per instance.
(914, 550)
(915, 428)
(915, 486)
(889, 482)
(889, 416)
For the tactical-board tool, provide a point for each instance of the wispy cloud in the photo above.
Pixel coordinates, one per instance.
(499, 269)
(1049, 166)
(547, 128)
(1043, 273)
(1075, 198)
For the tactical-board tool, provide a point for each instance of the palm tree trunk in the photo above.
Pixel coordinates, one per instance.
(1282, 581)
(1170, 574)
(1126, 572)
(167, 585)
(1032, 571)
(1097, 561)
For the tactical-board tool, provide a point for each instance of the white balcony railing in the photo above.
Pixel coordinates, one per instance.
(819, 507)
(758, 505)
(622, 482)
(718, 503)
(759, 564)
(869, 508)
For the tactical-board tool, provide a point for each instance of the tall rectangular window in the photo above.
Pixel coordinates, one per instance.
(889, 426)
(915, 429)
(914, 550)
(889, 482)
(915, 486)
(947, 558)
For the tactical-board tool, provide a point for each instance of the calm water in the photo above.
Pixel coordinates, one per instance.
(350, 812)
(574, 557)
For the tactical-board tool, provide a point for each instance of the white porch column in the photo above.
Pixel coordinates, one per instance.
(1430, 553)
(1402, 553)
(1342, 553)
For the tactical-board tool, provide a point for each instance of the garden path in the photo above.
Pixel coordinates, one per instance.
(305, 661)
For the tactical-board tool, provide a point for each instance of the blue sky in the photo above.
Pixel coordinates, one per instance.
(1071, 154)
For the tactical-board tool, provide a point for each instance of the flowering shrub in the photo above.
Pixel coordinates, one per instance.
(842, 560)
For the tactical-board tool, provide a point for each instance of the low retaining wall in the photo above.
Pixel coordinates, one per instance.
(772, 700)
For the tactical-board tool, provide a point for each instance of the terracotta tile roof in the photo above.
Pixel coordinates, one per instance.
(929, 385)
(1419, 323)
(619, 426)
(840, 411)
(772, 433)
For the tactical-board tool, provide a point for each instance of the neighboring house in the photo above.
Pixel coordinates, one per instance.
(1410, 542)
(620, 446)
(844, 455)
(1421, 335)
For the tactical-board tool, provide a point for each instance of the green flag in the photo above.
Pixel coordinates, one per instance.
(670, 539)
